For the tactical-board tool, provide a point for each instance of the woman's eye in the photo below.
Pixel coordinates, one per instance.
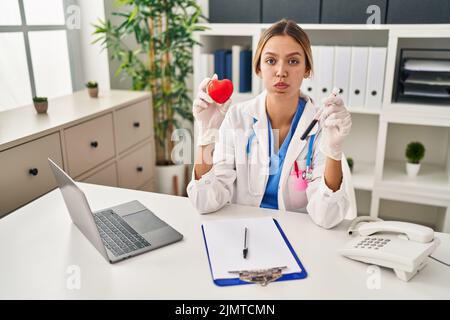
(293, 61)
(270, 61)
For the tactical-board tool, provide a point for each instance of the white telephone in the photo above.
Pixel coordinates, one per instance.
(402, 246)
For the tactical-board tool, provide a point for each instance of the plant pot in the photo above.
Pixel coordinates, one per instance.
(41, 107)
(93, 92)
(412, 169)
(171, 179)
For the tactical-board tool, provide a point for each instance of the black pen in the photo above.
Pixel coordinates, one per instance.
(245, 251)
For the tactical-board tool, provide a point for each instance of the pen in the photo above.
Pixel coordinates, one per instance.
(245, 251)
(317, 117)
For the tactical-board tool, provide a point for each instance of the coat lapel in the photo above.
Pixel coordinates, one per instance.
(260, 151)
(257, 111)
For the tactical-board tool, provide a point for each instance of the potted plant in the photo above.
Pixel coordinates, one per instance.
(92, 89)
(40, 104)
(350, 163)
(161, 63)
(415, 152)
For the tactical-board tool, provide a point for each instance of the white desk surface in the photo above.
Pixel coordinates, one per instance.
(38, 243)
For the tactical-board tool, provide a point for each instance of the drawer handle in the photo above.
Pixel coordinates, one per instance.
(140, 168)
(33, 171)
(357, 91)
(136, 124)
(94, 144)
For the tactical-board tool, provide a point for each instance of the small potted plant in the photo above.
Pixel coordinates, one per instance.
(350, 163)
(92, 89)
(40, 104)
(415, 152)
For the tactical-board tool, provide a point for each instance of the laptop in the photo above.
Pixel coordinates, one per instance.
(118, 232)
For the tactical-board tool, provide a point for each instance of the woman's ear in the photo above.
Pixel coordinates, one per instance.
(307, 74)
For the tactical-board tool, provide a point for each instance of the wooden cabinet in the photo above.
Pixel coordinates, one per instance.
(134, 124)
(136, 168)
(89, 144)
(106, 176)
(25, 173)
(107, 141)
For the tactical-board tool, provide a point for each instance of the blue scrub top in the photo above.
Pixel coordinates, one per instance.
(270, 199)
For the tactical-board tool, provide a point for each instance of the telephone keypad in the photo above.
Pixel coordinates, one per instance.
(372, 243)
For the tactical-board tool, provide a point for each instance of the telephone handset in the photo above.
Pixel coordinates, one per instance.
(402, 246)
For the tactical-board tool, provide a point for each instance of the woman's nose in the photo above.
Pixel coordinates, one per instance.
(281, 71)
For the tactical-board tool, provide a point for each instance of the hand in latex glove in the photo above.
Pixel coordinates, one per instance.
(208, 114)
(336, 123)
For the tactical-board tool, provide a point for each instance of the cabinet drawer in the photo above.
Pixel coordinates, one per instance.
(89, 144)
(148, 186)
(134, 124)
(104, 177)
(25, 172)
(136, 168)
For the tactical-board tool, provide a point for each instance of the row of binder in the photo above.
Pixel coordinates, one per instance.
(357, 71)
(234, 64)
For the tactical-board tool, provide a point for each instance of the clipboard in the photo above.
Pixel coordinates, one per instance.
(286, 264)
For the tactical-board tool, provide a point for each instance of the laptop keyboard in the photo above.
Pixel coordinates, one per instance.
(117, 235)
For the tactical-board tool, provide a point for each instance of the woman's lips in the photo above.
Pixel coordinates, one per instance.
(281, 85)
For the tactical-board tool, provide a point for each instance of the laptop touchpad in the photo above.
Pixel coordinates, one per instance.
(144, 221)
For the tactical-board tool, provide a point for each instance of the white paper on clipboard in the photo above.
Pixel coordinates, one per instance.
(266, 246)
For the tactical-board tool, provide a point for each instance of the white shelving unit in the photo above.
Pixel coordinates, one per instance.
(379, 136)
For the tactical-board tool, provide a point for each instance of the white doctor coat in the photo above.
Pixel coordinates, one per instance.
(241, 178)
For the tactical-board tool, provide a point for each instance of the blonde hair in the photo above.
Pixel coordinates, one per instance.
(289, 28)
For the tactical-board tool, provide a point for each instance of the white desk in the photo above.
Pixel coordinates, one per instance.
(38, 243)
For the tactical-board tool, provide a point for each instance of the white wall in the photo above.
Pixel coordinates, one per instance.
(95, 60)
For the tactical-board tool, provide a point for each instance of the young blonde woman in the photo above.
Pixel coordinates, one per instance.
(258, 156)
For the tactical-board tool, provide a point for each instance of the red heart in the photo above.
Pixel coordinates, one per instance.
(220, 90)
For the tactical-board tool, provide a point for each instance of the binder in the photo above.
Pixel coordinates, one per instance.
(235, 52)
(325, 72)
(206, 65)
(342, 62)
(245, 68)
(375, 77)
(358, 77)
(309, 84)
(220, 63)
(268, 250)
(228, 66)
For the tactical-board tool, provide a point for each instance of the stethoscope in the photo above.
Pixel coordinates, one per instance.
(306, 174)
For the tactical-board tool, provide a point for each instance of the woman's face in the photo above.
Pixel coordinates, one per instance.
(283, 66)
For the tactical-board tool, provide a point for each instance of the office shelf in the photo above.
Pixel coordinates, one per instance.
(428, 215)
(363, 176)
(364, 110)
(412, 113)
(431, 179)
